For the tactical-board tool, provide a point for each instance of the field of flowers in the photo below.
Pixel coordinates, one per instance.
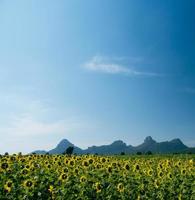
(97, 177)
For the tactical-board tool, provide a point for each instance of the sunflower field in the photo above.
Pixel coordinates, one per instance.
(91, 177)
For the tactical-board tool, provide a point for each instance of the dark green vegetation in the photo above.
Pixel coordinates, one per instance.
(60, 177)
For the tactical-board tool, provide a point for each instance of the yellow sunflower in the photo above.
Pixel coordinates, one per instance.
(83, 179)
(98, 187)
(120, 187)
(8, 186)
(51, 188)
(63, 177)
(28, 184)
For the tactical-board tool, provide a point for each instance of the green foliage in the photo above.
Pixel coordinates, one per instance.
(69, 150)
(148, 153)
(88, 177)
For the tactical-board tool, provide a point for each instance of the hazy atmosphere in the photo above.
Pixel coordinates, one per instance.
(96, 71)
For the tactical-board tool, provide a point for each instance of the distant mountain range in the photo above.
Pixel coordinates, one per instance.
(173, 146)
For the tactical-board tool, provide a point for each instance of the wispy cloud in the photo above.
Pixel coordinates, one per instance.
(26, 134)
(33, 117)
(27, 126)
(114, 66)
(38, 121)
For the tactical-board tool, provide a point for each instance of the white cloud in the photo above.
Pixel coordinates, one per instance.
(29, 123)
(34, 130)
(113, 66)
(35, 117)
(26, 126)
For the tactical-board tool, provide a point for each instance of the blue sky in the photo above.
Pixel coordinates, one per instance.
(96, 71)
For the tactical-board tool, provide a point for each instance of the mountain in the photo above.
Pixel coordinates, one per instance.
(40, 152)
(173, 146)
(62, 146)
(115, 148)
(147, 145)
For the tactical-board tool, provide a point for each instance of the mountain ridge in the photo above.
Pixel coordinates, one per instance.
(118, 146)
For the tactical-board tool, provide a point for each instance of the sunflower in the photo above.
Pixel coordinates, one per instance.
(127, 167)
(27, 166)
(76, 170)
(150, 172)
(46, 162)
(160, 174)
(24, 171)
(23, 160)
(59, 163)
(160, 165)
(66, 161)
(98, 187)
(183, 171)
(48, 166)
(63, 177)
(9, 170)
(98, 166)
(90, 160)
(4, 166)
(169, 175)
(51, 188)
(36, 165)
(168, 163)
(83, 179)
(136, 167)
(12, 158)
(114, 164)
(55, 159)
(8, 186)
(109, 169)
(85, 163)
(179, 163)
(71, 162)
(28, 184)
(65, 170)
(120, 187)
(156, 183)
(191, 161)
